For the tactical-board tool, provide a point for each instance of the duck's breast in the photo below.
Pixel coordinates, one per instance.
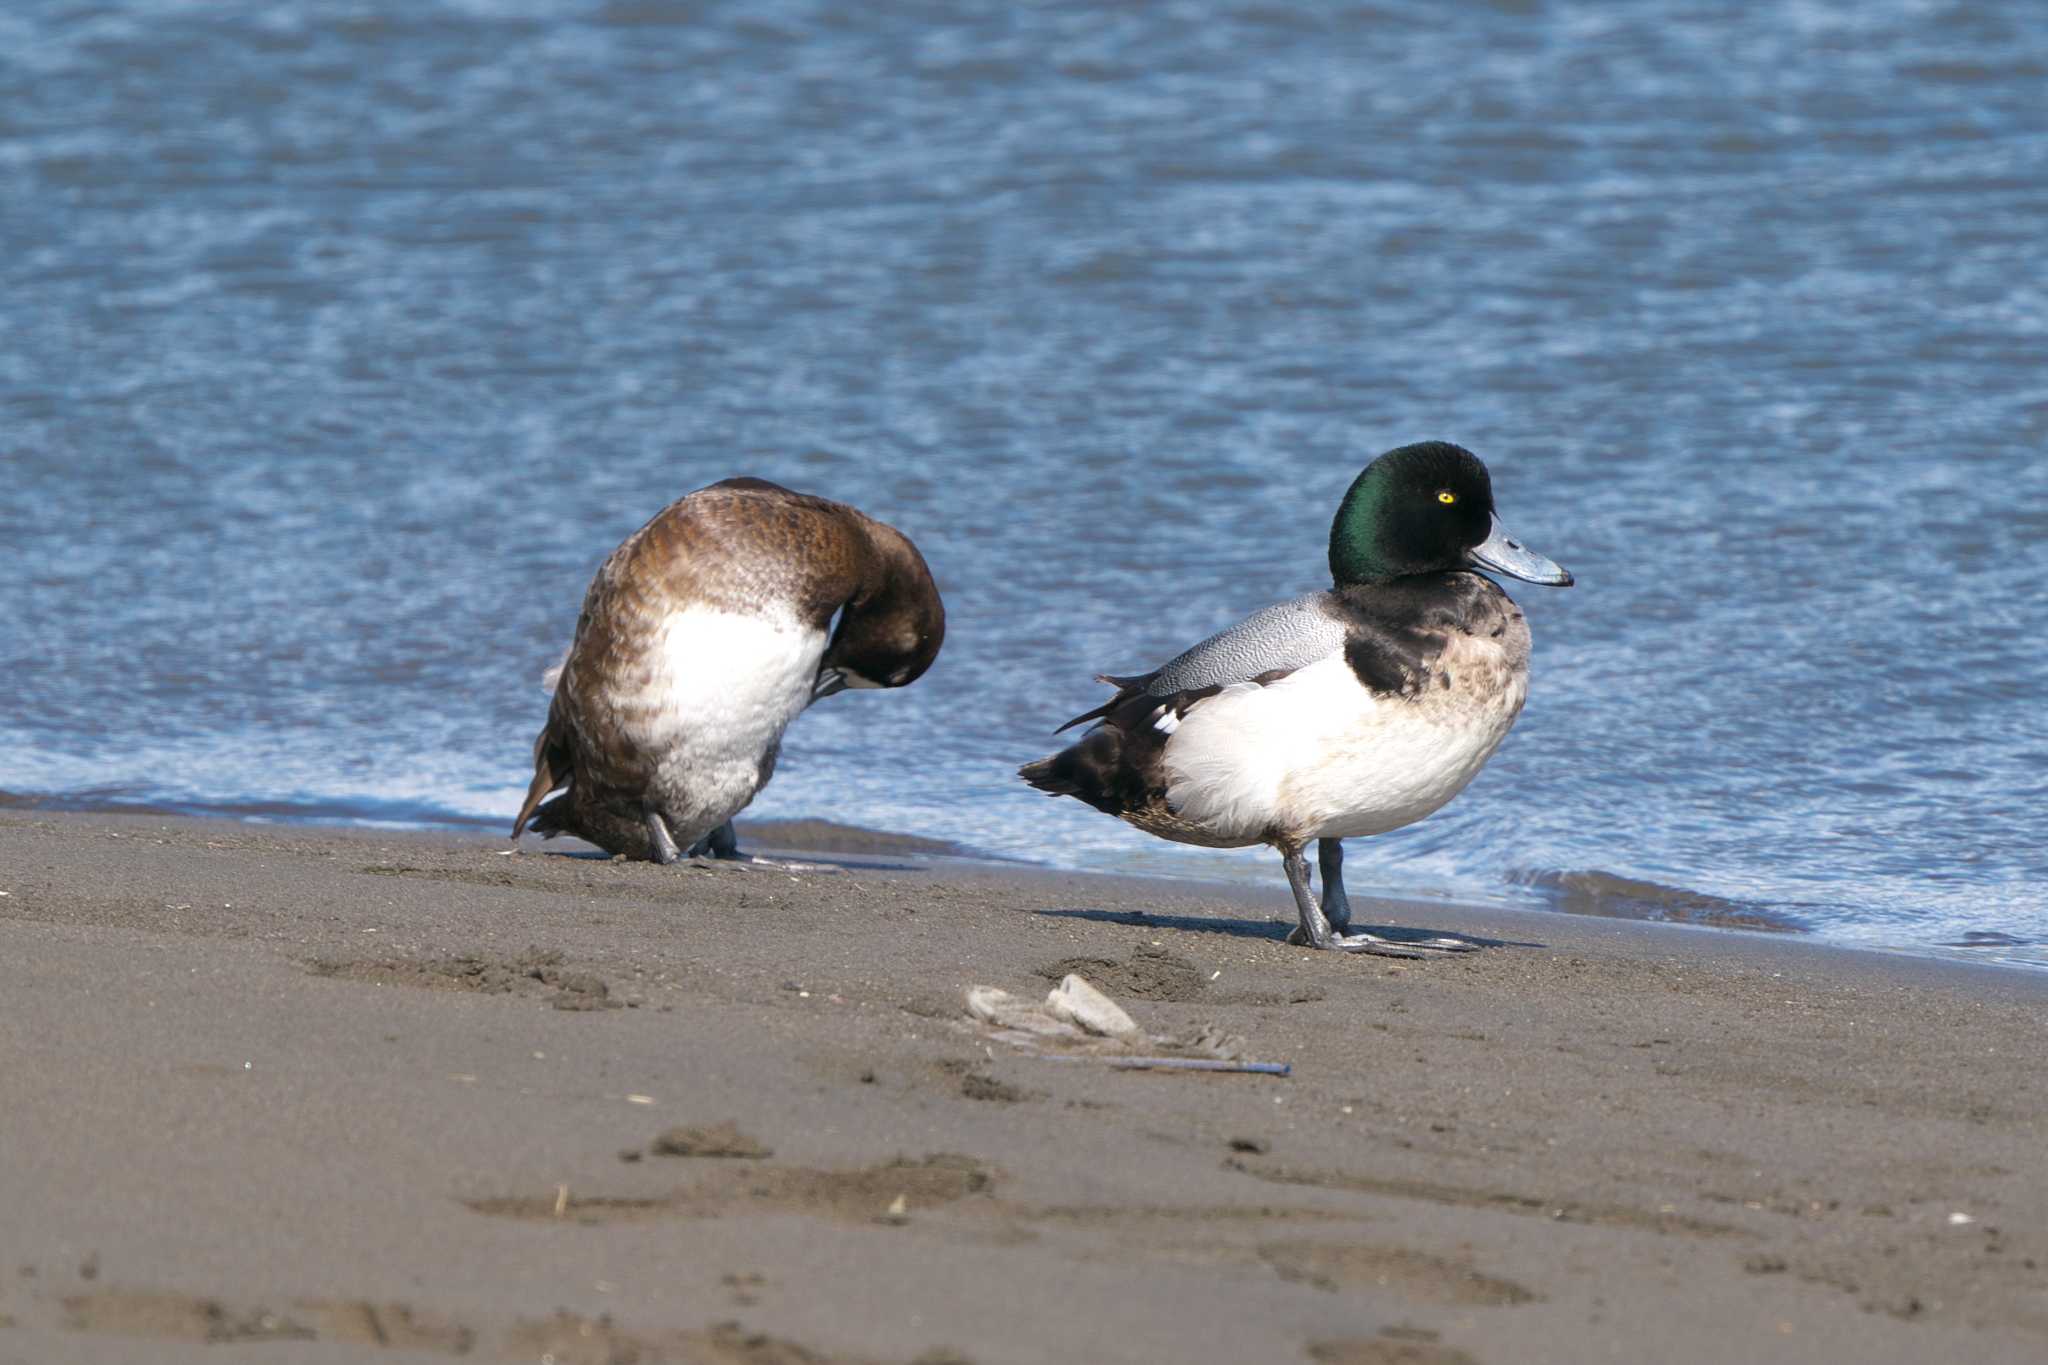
(724, 685)
(1402, 757)
(1319, 754)
(691, 706)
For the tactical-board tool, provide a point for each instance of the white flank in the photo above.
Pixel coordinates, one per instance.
(721, 689)
(1318, 755)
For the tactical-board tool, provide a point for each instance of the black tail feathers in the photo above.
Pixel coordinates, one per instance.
(550, 817)
(1099, 769)
(1126, 689)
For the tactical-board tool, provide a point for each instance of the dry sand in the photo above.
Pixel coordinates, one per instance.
(343, 1096)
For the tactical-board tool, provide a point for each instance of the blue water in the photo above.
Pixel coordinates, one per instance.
(344, 341)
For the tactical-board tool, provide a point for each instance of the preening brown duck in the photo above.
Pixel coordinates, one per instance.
(702, 637)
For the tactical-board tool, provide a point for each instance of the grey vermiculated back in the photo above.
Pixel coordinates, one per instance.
(1287, 635)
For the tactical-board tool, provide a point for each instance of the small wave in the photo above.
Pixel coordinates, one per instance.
(1987, 938)
(1604, 893)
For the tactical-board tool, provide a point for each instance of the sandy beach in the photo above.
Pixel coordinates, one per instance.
(355, 1096)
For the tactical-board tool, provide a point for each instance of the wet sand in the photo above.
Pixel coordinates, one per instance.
(352, 1096)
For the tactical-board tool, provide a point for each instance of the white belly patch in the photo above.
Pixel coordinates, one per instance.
(721, 687)
(1317, 755)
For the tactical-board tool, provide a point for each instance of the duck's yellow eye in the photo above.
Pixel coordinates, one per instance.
(1447, 497)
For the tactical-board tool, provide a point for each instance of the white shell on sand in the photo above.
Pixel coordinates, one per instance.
(1077, 1001)
(993, 1005)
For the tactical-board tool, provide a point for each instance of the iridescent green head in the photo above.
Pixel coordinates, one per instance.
(1426, 508)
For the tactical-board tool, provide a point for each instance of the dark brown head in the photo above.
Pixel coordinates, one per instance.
(890, 630)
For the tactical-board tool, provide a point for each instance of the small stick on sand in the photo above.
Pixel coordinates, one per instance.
(1199, 1064)
(1177, 1064)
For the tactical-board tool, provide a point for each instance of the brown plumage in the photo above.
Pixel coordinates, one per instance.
(701, 637)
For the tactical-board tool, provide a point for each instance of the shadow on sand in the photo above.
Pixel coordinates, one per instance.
(822, 860)
(1275, 930)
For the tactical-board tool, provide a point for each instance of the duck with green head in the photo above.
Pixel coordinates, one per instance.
(1338, 714)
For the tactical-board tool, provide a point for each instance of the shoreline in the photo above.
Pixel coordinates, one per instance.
(1600, 895)
(384, 1094)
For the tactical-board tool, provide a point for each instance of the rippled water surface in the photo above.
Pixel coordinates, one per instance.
(343, 341)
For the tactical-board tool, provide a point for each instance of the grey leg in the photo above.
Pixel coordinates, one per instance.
(1314, 930)
(719, 843)
(722, 845)
(1324, 925)
(1330, 863)
(665, 850)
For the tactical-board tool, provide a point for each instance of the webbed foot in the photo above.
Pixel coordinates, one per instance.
(721, 848)
(751, 862)
(1326, 929)
(1375, 945)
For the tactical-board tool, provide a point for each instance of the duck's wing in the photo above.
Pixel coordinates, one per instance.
(1264, 647)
